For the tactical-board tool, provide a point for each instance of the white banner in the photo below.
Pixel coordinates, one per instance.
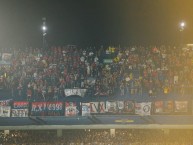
(85, 109)
(143, 108)
(181, 106)
(19, 112)
(5, 111)
(71, 109)
(79, 92)
(120, 106)
(111, 106)
(6, 57)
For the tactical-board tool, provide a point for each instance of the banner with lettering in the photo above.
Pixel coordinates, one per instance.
(143, 108)
(71, 109)
(181, 106)
(78, 92)
(6, 102)
(85, 109)
(5, 111)
(120, 106)
(111, 106)
(19, 112)
(38, 109)
(97, 107)
(168, 106)
(129, 107)
(20, 105)
(54, 108)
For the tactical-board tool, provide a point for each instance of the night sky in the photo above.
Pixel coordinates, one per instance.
(89, 23)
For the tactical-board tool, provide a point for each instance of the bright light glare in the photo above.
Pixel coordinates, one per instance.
(44, 28)
(182, 24)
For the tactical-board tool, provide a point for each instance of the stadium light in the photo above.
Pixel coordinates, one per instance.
(44, 29)
(182, 25)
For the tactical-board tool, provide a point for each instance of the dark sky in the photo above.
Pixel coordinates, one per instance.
(95, 22)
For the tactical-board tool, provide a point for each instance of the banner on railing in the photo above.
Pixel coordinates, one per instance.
(120, 106)
(129, 107)
(111, 106)
(163, 107)
(21, 108)
(181, 106)
(97, 107)
(54, 108)
(5, 111)
(78, 92)
(38, 109)
(158, 107)
(85, 109)
(168, 106)
(5, 102)
(71, 109)
(143, 108)
(20, 105)
(19, 112)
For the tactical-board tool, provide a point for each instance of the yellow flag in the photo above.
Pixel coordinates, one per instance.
(116, 59)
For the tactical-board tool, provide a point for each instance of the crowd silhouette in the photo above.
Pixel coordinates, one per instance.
(99, 137)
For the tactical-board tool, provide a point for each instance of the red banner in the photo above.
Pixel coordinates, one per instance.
(20, 105)
(158, 107)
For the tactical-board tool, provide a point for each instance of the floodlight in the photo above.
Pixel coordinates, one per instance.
(182, 25)
(44, 28)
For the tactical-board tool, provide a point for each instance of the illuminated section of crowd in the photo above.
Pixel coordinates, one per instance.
(99, 137)
(42, 74)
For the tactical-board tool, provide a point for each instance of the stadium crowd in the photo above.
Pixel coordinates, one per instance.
(99, 137)
(43, 74)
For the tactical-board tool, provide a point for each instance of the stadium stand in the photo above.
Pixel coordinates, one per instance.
(99, 137)
(137, 73)
(127, 87)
